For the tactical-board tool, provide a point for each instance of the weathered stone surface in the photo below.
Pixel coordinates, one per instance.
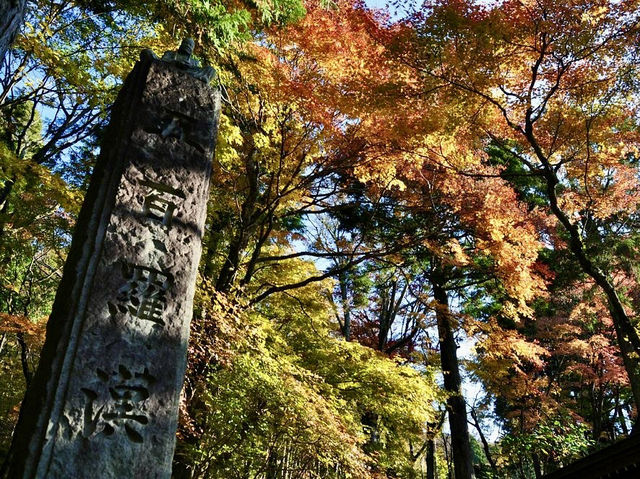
(105, 398)
(11, 14)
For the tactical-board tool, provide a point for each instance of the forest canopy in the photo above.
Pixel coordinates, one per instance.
(421, 253)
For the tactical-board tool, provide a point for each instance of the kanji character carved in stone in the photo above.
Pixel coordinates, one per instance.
(143, 295)
(159, 202)
(122, 403)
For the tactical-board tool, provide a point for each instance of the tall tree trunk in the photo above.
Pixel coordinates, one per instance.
(386, 314)
(232, 262)
(537, 466)
(265, 232)
(447, 457)
(483, 439)
(430, 458)
(460, 444)
(11, 13)
(212, 246)
(246, 228)
(25, 357)
(630, 359)
(4, 202)
(346, 307)
(626, 334)
(272, 465)
(622, 420)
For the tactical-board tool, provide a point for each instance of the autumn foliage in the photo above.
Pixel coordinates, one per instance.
(422, 214)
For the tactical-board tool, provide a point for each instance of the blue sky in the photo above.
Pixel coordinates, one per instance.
(376, 3)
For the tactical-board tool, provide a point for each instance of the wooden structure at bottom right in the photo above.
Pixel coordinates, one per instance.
(618, 461)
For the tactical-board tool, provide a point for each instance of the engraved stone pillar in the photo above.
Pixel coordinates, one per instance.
(104, 401)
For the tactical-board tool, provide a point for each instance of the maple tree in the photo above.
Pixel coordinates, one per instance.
(502, 82)
(549, 83)
(500, 234)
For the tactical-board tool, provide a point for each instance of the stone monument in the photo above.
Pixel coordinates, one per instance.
(104, 401)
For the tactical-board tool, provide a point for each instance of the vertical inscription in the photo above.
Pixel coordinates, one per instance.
(143, 295)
